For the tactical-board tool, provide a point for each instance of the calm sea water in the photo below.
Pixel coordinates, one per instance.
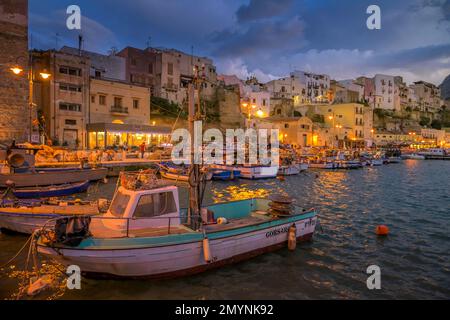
(412, 198)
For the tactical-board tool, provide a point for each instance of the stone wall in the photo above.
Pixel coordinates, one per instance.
(14, 115)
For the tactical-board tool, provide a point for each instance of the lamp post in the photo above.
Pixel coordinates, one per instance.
(17, 70)
(334, 133)
(248, 107)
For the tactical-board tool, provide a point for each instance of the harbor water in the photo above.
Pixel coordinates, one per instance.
(412, 198)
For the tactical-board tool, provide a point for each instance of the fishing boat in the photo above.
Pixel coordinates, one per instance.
(25, 216)
(413, 156)
(293, 169)
(225, 175)
(146, 234)
(255, 172)
(180, 174)
(18, 171)
(319, 164)
(51, 191)
(394, 159)
(47, 178)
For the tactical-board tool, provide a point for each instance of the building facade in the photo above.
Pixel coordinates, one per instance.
(14, 108)
(109, 66)
(63, 101)
(317, 85)
(428, 96)
(168, 72)
(384, 88)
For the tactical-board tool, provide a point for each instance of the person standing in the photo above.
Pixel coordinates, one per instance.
(142, 149)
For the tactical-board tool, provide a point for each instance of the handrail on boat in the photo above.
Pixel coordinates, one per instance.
(94, 217)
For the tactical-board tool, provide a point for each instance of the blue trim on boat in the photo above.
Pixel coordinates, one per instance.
(178, 239)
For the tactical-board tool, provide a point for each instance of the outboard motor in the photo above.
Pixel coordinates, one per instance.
(72, 230)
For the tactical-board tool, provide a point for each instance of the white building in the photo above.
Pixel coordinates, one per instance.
(317, 85)
(288, 88)
(384, 88)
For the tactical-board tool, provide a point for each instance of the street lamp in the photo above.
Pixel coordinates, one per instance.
(260, 113)
(17, 70)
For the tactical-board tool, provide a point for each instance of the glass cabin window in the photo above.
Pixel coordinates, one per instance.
(152, 205)
(119, 204)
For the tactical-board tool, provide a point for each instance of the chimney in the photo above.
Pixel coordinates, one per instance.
(80, 43)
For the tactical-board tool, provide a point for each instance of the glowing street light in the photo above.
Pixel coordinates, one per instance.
(45, 75)
(260, 113)
(16, 70)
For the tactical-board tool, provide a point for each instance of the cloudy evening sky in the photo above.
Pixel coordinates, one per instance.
(266, 38)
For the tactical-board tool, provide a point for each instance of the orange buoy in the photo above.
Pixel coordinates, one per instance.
(382, 230)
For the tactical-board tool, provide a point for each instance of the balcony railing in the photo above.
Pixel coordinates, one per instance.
(119, 109)
(170, 86)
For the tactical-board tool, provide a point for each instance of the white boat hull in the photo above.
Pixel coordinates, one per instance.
(179, 259)
(258, 172)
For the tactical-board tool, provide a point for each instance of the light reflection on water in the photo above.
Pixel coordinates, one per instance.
(412, 198)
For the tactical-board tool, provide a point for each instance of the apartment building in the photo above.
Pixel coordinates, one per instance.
(348, 122)
(288, 88)
(168, 72)
(119, 114)
(428, 96)
(317, 85)
(110, 66)
(384, 89)
(63, 100)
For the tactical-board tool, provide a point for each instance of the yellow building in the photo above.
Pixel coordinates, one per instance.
(348, 124)
(119, 115)
(297, 131)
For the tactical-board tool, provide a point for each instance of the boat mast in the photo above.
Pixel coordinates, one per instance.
(194, 171)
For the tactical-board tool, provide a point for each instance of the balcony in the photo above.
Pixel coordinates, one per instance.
(170, 87)
(119, 110)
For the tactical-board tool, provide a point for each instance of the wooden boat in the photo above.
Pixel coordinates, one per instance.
(252, 172)
(146, 234)
(180, 174)
(323, 165)
(51, 191)
(413, 156)
(225, 175)
(26, 216)
(54, 177)
(394, 159)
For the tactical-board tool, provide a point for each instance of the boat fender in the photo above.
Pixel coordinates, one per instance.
(105, 180)
(206, 250)
(222, 220)
(39, 285)
(292, 238)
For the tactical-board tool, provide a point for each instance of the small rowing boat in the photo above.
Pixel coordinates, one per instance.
(51, 191)
(25, 216)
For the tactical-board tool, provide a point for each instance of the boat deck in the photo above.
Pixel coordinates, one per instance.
(256, 217)
(100, 231)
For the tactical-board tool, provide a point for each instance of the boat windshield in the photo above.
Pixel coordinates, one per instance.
(119, 204)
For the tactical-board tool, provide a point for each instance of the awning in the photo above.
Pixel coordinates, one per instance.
(128, 128)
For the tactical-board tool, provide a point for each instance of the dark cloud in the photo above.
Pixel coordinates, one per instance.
(260, 39)
(266, 37)
(261, 9)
